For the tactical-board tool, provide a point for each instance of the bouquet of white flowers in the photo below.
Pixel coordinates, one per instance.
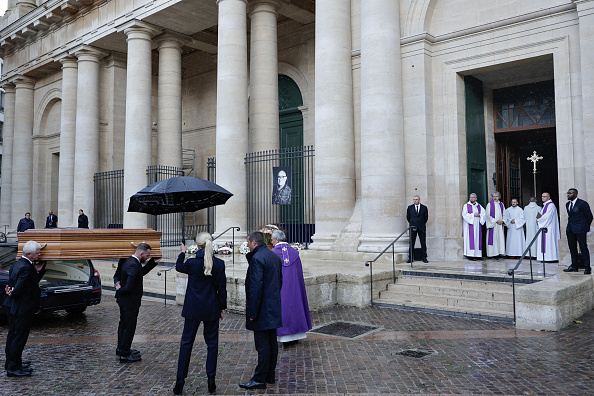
(225, 248)
(244, 249)
(192, 249)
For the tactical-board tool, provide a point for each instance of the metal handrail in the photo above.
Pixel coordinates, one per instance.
(370, 262)
(513, 270)
(233, 241)
(159, 274)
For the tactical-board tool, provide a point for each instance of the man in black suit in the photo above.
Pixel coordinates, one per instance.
(417, 216)
(83, 220)
(128, 285)
(23, 302)
(26, 223)
(263, 307)
(578, 224)
(51, 221)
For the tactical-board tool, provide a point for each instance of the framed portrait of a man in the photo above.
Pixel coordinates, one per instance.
(281, 185)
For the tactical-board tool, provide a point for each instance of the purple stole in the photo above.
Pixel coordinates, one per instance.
(544, 237)
(492, 213)
(471, 229)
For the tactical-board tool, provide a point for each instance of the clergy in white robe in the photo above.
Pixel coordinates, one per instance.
(515, 244)
(548, 247)
(473, 215)
(495, 223)
(530, 213)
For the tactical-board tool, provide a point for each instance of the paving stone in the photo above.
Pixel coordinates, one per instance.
(75, 355)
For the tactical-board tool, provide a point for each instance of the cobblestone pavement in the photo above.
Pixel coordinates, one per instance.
(76, 355)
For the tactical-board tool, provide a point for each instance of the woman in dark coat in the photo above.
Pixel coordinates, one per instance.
(205, 301)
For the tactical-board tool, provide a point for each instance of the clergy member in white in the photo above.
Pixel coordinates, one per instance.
(549, 246)
(473, 215)
(515, 244)
(495, 223)
(530, 213)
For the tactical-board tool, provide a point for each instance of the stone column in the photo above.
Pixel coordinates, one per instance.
(263, 104)
(382, 133)
(22, 149)
(66, 207)
(138, 116)
(7, 147)
(86, 153)
(169, 125)
(334, 135)
(232, 112)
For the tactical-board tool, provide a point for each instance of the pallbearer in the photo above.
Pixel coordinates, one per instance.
(473, 215)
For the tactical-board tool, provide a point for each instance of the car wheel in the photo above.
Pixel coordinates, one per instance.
(76, 311)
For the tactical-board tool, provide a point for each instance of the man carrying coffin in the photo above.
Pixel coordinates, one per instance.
(515, 243)
(530, 212)
(473, 216)
(495, 222)
(548, 244)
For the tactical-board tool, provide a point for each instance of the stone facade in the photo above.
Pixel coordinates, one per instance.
(98, 85)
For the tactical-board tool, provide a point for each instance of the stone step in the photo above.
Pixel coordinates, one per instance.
(440, 308)
(461, 292)
(462, 284)
(447, 302)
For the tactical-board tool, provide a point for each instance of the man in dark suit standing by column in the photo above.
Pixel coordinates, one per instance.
(128, 285)
(417, 216)
(263, 308)
(22, 302)
(51, 221)
(578, 224)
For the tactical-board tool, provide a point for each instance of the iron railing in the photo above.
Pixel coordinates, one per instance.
(170, 225)
(513, 270)
(280, 191)
(109, 199)
(391, 245)
(165, 271)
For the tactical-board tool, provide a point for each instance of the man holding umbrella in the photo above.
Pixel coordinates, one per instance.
(128, 285)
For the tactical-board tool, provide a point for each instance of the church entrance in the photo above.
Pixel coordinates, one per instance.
(524, 124)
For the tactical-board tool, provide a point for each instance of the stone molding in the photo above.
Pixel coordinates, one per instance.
(270, 6)
(136, 26)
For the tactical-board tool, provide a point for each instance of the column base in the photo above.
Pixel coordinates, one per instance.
(323, 242)
(376, 244)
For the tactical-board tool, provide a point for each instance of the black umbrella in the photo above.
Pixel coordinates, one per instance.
(178, 195)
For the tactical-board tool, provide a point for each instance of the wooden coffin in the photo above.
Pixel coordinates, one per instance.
(72, 244)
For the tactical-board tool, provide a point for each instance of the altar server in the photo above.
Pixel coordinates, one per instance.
(515, 244)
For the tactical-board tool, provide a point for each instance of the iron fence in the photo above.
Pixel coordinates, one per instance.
(280, 191)
(169, 224)
(109, 199)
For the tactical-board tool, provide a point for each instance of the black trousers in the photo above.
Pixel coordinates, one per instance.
(211, 339)
(422, 237)
(572, 241)
(18, 333)
(127, 328)
(267, 347)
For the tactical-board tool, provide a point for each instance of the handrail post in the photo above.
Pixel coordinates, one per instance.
(393, 264)
(410, 246)
(514, 293)
(165, 297)
(544, 272)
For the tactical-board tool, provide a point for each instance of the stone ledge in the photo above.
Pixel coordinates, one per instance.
(554, 303)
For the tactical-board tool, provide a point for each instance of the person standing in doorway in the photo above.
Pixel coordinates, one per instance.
(530, 212)
(495, 224)
(83, 220)
(579, 218)
(417, 216)
(263, 308)
(515, 243)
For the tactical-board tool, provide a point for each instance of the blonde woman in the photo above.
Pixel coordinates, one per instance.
(205, 301)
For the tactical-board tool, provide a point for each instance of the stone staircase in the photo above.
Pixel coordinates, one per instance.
(488, 297)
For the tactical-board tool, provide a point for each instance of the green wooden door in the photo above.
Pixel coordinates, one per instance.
(476, 152)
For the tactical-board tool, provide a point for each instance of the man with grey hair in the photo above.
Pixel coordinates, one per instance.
(23, 302)
(295, 307)
(473, 216)
(495, 222)
(417, 216)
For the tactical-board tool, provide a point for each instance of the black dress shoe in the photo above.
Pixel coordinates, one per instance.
(179, 387)
(131, 358)
(409, 261)
(251, 384)
(425, 260)
(25, 363)
(18, 373)
(132, 351)
(570, 269)
(587, 271)
(212, 387)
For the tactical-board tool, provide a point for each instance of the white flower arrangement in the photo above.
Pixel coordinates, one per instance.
(298, 246)
(192, 249)
(222, 248)
(244, 249)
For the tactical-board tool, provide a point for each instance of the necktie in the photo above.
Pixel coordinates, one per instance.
(571, 206)
(417, 210)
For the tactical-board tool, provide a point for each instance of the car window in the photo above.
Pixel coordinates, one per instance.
(77, 271)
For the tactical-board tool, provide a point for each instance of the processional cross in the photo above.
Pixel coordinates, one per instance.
(534, 158)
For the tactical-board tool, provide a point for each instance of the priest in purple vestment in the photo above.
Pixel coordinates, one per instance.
(295, 309)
